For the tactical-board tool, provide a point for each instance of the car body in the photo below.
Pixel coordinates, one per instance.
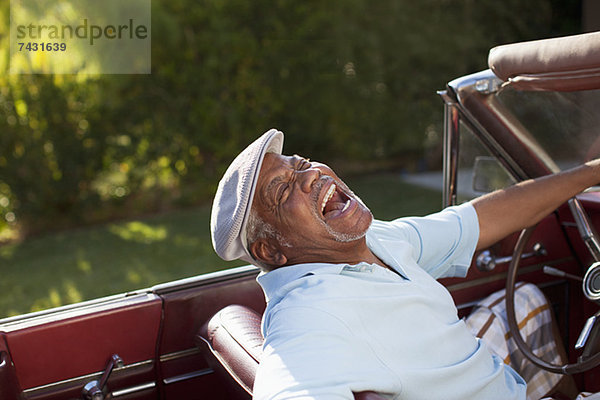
(54, 354)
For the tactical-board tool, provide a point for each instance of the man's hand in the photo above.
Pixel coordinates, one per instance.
(520, 206)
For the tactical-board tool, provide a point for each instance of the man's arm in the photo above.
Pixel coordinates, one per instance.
(520, 206)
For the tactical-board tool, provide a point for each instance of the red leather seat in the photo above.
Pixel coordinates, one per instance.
(233, 336)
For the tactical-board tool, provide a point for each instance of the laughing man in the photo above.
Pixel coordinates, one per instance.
(353, 303)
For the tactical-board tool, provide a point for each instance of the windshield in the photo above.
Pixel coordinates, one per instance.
(565, 125)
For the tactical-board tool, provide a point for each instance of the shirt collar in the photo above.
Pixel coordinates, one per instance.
(376, 245)
(275, 280)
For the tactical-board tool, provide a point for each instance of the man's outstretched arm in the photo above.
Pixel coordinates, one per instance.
(520, 206)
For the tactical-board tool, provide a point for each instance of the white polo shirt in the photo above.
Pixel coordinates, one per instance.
(334, 329)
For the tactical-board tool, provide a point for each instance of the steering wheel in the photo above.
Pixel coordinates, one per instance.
(591, 290)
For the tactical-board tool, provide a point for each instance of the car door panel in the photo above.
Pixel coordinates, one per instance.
(188, 305)
(8, 377)
(56, 353)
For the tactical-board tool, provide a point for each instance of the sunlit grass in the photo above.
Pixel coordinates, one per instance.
(81, 264)
(75, 265)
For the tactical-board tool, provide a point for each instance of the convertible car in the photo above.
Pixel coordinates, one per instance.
(535, 111)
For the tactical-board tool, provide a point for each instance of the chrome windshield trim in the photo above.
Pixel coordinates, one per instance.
(471, 79)
(450, 153)
(470, 83)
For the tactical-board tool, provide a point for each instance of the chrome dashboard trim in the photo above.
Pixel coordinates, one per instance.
(502, 275)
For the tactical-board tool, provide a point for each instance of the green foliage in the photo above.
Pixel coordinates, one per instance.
(352, 79)
(50, 150)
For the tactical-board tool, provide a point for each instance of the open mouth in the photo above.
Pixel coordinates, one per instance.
(334, 203)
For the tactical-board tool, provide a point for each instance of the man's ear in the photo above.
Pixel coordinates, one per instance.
(267, 253)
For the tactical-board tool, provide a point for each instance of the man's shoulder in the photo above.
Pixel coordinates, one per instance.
(299, 318)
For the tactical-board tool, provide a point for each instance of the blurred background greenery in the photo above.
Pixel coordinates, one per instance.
(350, 82)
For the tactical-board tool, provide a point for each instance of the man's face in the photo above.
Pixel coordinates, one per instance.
(314, 211)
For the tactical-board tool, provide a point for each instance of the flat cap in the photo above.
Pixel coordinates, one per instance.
(232, 202)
